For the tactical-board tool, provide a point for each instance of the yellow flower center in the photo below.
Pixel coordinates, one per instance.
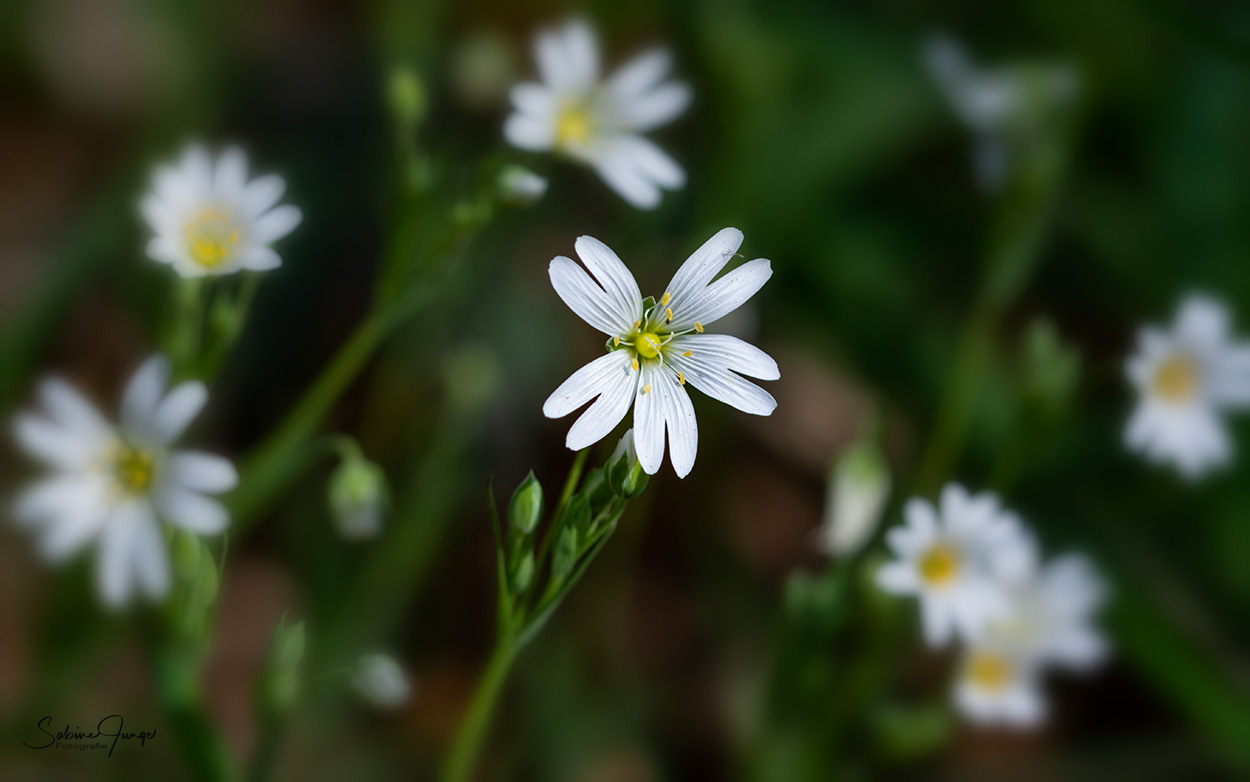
(573, 126)
(939, 564)
(1176, 379)
(211, 238)
(648, 345)
(988, 671)
(132, 469)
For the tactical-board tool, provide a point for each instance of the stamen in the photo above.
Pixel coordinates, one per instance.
(616, 342)
(681, 378)
(664, 300)
(668, 311)
(634, 363)
(698, 327)
(637, 323)
(688, 353)
(646, 389)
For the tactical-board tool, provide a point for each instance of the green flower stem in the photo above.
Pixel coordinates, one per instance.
(473, 728)
(570, 485)
(176, 673)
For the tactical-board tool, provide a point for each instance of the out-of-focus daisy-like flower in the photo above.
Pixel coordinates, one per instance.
(1005, 108)
(209, 219)
(599, 123)
(380, 681)
(656, 347)
(1049, 624)
(1187, 377)
(112, 485)
(956, 561)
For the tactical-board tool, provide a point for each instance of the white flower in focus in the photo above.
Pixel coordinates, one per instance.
(380, 681)
(1186, 378)
(1002, 107)
(208, 219)
(112, 485)
(599, 123)
(1049, 624)
(956, 561)
(654, 351)
(859, 485)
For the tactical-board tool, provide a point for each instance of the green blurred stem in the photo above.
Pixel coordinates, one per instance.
(176, 675)
(473, 728)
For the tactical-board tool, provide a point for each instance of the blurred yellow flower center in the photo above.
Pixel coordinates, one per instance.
(648, 345)
(1176, 379)
(211, 238)
(988, 671)
(132, 468)
(939, 564)
(573, 126)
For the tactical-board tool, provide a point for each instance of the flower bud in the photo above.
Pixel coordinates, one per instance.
(565, 555)
(280, 685)
(859, 485)
(380, 681)
(520, 186)
(624, 471)
(525, 509)
(522, 572)
(596, 491)
(357, 496)
(407, 96)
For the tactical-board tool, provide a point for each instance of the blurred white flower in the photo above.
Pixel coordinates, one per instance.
(1186, 378)
(380, 681)
(357, 496)
(654, 350)
(1003, 107)
(113, 484)
(1050, 624)
(956, 561)
(519, 185)
(859, 485)
(598, 123)
(208, 219)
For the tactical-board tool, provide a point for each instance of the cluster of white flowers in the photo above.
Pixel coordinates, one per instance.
(600, 123)
(1187, 377)
(974, 567)
(113, 485)
(656, 347)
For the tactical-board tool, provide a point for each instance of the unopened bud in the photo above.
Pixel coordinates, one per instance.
(518, 185)
(859, 485)
(625, 473)
(357, 496)
(525, 509)
(380, 681)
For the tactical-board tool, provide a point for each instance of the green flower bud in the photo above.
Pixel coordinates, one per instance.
(358, 498)
(625, 473)
(578, 516)
(525, 509)
(596, 490)
(522, 572)
(565, 555)
(280, 685)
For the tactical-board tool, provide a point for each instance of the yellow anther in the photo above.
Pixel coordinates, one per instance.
(698, 327)
(233, 238)
(681, 378)
(939, 564)
(1176, 379)
(989, 671)
(634, 363)
(132, 469)
(221, 216)
(648, 345)
(616, 342)
(688, 354)
(664, 300)
(637, 323)
(573, 127)
(646, 389)
(668, 311)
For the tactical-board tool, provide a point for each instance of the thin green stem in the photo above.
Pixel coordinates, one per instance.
(464, 748)
(176, 675)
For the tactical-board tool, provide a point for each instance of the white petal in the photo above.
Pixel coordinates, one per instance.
(276, 223)
(204, 472)
(608, 410)
(640, 74)
(727, 352)
(621, 173)
(48, 497)
(706, 370)
(534, 99)
(653, 162)
(922, 517)
(1201, 321)
(143, 395)
(526, 132)
(679, 420)
(181, 407)
(648, 421)
(70, 409)
(192, 512)
(148, 557)
(937, 622)
(610, 272)
(702, 265)
(723, 296)
(260, 195)
(76, 519)
(196, 171)
(160, 216)
(588, 301)
(114, 577)
(588, 382)
(898, 578)
(260, 258)
(163, 250)
(581, 53)
(54, 445)
(655, 108)
(231, 174)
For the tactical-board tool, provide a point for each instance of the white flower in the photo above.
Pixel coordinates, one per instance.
(654, 351)
(955, 561)
(379, 680)
(600, 124)
(1002, 107)
(112, 484)
(1049, 624)
(859, 485)
(518, 185)
(1186, 378)
(208, 219)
